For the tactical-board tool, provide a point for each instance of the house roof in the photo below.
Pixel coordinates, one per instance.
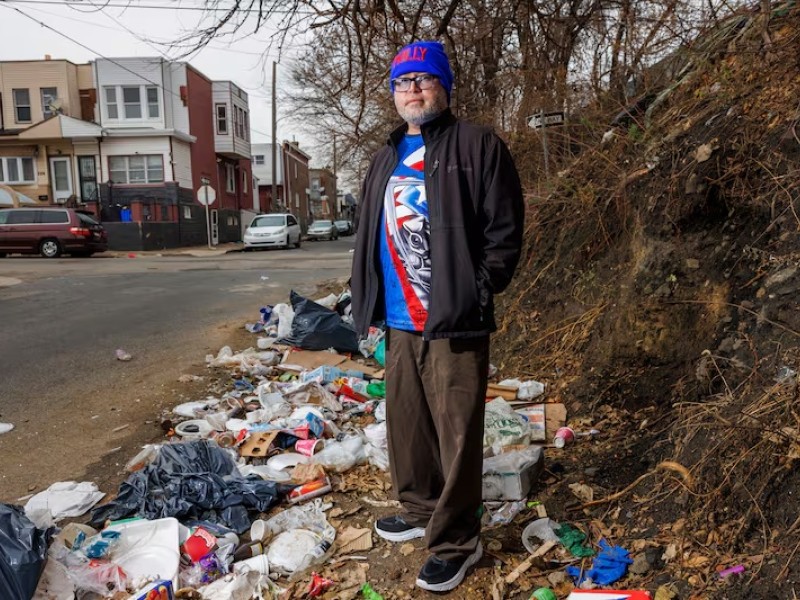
(61, 126)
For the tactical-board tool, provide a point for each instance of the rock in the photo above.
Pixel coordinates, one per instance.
(692, 263)
(704, 152)
(407, 549)
(640, 565)
(780, 277)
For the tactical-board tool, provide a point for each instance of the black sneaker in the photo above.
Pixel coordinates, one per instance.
(395, 529)
(439, 575)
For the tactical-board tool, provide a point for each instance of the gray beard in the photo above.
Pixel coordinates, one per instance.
(420, 117)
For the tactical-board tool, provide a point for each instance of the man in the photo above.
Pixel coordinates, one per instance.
(439, 232)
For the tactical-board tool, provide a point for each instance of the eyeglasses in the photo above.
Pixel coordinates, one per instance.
(424, 82)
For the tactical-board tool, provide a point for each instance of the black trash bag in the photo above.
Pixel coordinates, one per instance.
(23, 552)
(318, 328)
(192, 480)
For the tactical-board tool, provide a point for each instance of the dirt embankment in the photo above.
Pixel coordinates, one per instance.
(657, 296)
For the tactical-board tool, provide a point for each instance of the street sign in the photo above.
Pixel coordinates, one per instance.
(206, 195)
(551, 119)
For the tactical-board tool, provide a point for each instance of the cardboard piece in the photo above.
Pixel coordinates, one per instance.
(311, 359)
(258, 444)
(505, 392)
(535, 414)
(351, 365)
(353, 539)
(555, 416)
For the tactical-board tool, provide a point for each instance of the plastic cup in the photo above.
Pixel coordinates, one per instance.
(564, 435)
(258, 530)
(258, 563)
(307, 447)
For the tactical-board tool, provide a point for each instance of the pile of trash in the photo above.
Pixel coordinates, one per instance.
(236, 503)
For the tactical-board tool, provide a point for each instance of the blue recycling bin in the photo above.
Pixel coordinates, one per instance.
(125, 215)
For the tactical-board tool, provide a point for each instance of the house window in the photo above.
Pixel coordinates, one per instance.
(139, 102)
(297, 200)
(136, 169)
(230, 179)
(49, 96)
(164, 212)
(111, 103)
(22, 106)
(244, 182)
(236, 127)
(258, 160)
(295, 169)
(132, 102)
(222, 119)
(153, 110)
(246, 126)
(17, 170)
(187, 212)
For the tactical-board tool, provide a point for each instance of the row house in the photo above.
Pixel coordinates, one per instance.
(132, 139)
(292, 180)
(323, 194)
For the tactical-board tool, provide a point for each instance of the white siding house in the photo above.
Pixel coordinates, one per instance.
(231, 120)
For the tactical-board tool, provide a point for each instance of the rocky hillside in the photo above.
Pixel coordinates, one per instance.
(658, 298)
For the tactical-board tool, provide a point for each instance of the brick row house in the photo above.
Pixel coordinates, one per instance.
(292, 183)
(130, 139)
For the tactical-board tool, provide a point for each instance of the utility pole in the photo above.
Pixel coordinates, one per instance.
(274, 134)
(335, 203)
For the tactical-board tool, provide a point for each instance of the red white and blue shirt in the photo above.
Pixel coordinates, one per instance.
(405, 240)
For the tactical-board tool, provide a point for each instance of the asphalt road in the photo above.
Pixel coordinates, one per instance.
(62, 321)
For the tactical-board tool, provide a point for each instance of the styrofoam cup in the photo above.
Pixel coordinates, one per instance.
(258, 530)
(258, 563)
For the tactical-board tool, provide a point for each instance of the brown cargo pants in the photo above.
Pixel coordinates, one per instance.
(435, 397)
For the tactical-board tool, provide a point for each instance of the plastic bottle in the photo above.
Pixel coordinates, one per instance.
(369, 594)
(543, 594)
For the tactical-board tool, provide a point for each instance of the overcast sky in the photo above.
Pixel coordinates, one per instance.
(124, 27)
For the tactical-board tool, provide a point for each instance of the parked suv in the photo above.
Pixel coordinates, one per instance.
(50, 232)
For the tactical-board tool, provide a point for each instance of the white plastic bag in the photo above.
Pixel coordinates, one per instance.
(526, 390)
(285, 316)
(503, 427)
(341, 456)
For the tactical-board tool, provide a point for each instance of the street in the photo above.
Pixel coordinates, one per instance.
(71, 401)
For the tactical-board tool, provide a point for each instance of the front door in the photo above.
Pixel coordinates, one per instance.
(87, 173)
(214, 226)
(61, 179)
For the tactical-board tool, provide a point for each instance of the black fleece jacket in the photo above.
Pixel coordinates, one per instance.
(476, 214)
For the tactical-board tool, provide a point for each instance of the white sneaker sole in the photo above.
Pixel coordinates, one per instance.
(403, 536)
(453, 583)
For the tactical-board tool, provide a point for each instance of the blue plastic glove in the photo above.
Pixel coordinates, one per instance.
(610, 565)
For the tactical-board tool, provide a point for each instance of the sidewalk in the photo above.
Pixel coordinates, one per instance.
(198, 251)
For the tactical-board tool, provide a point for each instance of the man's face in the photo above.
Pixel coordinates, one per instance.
(417, 106)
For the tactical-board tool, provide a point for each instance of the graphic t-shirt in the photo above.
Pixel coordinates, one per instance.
(405, 234)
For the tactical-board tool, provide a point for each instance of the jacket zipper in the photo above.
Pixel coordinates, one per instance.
(433, 208)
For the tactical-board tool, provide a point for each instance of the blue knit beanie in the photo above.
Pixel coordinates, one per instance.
(423, 57)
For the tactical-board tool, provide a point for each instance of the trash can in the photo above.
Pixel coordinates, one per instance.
(125, 215)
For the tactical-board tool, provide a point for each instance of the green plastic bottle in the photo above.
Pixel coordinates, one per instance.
(369, 594)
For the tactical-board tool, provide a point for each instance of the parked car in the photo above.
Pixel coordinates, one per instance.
(344, 227)
(272, 230)
(319, 230)
(50, 232)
